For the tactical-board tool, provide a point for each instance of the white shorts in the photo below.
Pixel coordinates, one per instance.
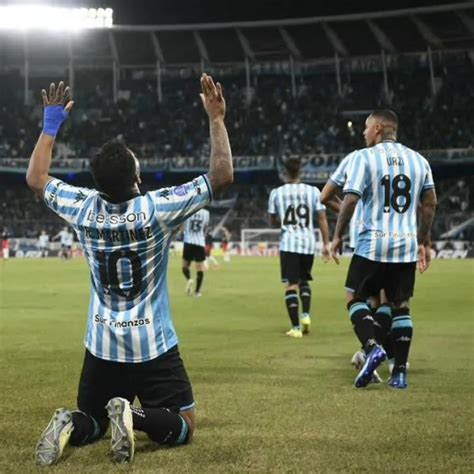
(6, 253)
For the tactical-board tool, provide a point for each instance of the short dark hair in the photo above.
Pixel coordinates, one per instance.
(293, 167)
(386, 115)
(113, 168)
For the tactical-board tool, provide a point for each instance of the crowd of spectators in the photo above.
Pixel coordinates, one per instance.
(268, 120)
(25, 215)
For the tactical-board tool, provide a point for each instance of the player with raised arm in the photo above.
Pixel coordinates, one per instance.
(292, 208)
(390, 179)
(194, 249)
(131, 343)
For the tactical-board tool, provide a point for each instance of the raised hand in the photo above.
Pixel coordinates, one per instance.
(212, 98)
(57, 96)
(55, 113)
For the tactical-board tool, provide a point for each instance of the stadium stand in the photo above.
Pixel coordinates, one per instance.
(297, 87)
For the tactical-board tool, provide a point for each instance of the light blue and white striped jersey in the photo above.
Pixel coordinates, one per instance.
(126, 246)
(295, 205)
(195, 228)
(339, 178)
(390, 178)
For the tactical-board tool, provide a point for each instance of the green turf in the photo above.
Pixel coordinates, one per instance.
(265, 403)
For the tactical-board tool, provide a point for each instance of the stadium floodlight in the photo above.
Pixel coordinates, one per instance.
(25, 17)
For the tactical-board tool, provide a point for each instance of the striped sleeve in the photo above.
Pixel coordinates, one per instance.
(339, 176)
(66, 200)
(428, 181)
(356, 175)
(174, 205)
(272, 206)
(317, 204)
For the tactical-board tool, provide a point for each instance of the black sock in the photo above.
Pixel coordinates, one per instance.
(402, 334)
(87, 429)
(186, 273)
(383, 324)
(291, 300)
(200, 277)
(363, 323)
(161, 425)
(305, 296)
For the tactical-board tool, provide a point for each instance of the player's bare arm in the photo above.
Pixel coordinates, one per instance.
(55, 112)
(324, 228)
(345, 215)
(329, 197)
(221, 174)
(428, 208)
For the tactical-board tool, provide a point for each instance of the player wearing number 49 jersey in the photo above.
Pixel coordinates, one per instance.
(194, 249)
(131, 343)
(292, 207)
(390, 180)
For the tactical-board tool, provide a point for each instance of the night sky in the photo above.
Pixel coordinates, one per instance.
(199, 11)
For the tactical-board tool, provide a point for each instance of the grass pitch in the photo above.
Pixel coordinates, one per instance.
(265, 403)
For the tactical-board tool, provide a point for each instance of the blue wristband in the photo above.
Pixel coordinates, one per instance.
(53, 117)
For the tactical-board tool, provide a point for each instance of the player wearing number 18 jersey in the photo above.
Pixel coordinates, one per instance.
(292, 207)
(194, 249)
(131, 343)
(390, 180)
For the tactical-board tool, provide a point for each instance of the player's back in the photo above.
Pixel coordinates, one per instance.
(390, 178)
(195, 227)
(126, 246)
(295, 205)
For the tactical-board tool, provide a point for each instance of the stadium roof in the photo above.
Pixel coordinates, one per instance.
(141, 12)
(440, 27)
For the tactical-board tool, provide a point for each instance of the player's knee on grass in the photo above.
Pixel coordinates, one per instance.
(163, 426)
(87, 429)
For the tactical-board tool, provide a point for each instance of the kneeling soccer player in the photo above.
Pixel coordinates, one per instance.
(131, 344)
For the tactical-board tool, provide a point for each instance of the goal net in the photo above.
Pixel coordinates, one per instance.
(266, 242)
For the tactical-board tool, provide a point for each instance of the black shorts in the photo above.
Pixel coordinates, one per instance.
(158, 383)
(295, 267)
(194, 253)
(366, 278)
